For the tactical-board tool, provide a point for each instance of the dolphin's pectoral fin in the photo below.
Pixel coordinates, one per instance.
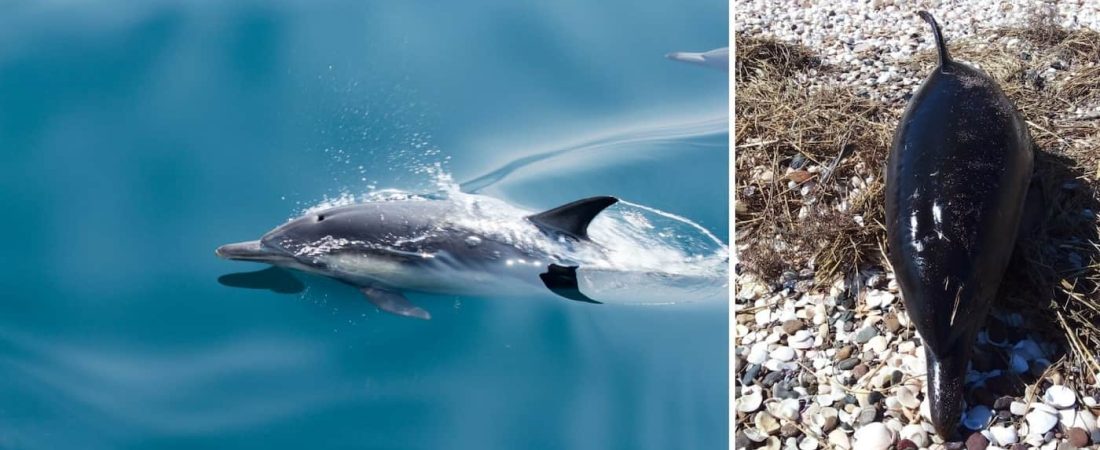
(562, 280)
(572, 219)
(393, 302)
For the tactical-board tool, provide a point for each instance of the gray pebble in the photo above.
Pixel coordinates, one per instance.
(865, 334)
(847, 364)
(751, 372)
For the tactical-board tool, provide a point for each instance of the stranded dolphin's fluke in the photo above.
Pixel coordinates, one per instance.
(957, 176)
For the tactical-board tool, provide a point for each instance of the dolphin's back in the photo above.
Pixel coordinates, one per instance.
(955, 188)
(414, 229)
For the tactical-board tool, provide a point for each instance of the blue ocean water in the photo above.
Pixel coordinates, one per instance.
(137, 137)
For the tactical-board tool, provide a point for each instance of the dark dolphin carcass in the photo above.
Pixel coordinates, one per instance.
(957, 177)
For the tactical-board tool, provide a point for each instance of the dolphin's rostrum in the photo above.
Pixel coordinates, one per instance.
(385, 248)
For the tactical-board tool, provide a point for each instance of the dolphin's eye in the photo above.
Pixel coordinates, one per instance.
(320, 217)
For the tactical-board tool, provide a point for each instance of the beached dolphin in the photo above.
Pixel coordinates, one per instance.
(958, 174)
(718, 58)
(385, 248)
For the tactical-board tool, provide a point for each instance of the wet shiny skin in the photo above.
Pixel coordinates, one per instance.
(957, 176)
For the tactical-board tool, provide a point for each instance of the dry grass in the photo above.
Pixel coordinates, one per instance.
(834, 129)
(791, 220)
(773, 58)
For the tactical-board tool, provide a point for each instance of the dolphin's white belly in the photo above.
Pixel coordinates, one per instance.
(436, 276)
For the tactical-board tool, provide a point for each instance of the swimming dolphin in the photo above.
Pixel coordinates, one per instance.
(718, 58)
(386, 248)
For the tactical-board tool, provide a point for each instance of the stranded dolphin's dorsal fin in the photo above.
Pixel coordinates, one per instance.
(572, 219)
(941, 45)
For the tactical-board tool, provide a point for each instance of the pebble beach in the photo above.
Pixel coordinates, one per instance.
(841, 366)
(868, 41)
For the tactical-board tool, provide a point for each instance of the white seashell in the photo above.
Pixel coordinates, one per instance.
(839, 439)
(788, 314)
(1018, 408)
(876, 299)
(821, 315)
(823, 416)
(893, 424)
(808, 443)
(1059, 397)
(758, 353)
(1003, 435)
(877, 344)
(763, 317)
(783, 353)
(742, 331)
(1044, 407)
(788, 409)
(977, 417)
(765, 422)
(908, 398)
(873, 436)
(1040, 421)
(802, 339)
(772, 443)
(807, 415)
(1081, 419)
(925, 410)
(1090, 401)
(1034, 440)
(987, 434)
(756, 435)
(915, 433)
(750, 400)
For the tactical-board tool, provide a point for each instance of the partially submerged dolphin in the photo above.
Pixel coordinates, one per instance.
(385, 248)
(956, 181)
(718, 58)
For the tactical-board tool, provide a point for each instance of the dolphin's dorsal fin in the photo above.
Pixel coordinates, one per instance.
(572, 219)
(941, 45)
